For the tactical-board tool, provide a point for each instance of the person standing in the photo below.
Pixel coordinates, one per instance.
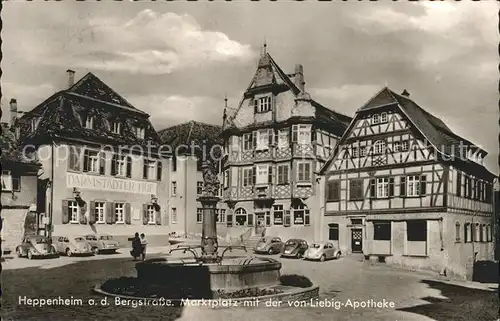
(144, 243)
(136, 246)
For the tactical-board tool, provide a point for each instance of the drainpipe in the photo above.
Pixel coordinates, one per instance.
(51, 191)
(185, 196)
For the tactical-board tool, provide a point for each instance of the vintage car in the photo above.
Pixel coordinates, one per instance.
(322, 251)
(73, 245)
(269, 244)
(294, 248)
(102, 243)
(36, 246)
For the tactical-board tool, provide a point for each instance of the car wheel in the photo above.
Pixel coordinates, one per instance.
(322, 258)
(337, 256)
(19, 252)
(30, 256)
(68, 252)
(96, 250)
(270, 251)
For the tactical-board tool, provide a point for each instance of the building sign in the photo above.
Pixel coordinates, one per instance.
(110, 184)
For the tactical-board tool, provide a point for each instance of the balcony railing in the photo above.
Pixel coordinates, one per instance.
(268, 191)
(274, 152)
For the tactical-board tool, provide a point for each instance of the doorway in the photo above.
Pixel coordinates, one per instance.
(260, 225)
(357, 240)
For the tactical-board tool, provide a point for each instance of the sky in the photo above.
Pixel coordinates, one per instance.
(178, 60)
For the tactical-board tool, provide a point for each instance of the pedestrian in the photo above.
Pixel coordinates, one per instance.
(144, 243)
(136, 246)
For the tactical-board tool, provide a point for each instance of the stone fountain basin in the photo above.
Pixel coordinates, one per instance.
(233, 274)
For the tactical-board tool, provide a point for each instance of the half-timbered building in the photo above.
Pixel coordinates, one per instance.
(276, 141)
(403, 188)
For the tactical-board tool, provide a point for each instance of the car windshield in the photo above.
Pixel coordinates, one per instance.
(40, 241)
(91, 238)
(291, 242)
(106, 237)
(316, 246)
(79, 239)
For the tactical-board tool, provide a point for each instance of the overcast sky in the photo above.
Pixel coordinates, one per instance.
(176, 61)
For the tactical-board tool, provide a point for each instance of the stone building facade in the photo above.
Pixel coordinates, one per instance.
(403, 188)
(101, 158)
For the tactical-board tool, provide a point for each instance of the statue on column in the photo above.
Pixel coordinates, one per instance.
(210, 179)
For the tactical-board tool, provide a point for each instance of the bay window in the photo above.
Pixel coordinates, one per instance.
(247, 141)
(283, 138)
(248, 176)
(264, 139)
(262, 174)
(283, 175)
(304, 172)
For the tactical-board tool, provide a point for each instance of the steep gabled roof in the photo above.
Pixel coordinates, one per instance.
(60, 116)
(270, 73)
(432, 128)
(90, 86)
(191, 133)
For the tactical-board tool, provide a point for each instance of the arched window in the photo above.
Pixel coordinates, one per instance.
(241, 216)
(467, 232)
(481, 233)
(457, 232)
(476, 232)
(379, 147)
(375, 119)
(301, 215)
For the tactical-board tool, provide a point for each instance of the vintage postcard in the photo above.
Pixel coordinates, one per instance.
(259, 160)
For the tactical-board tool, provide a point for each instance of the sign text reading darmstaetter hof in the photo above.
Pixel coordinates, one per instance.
(110, 184)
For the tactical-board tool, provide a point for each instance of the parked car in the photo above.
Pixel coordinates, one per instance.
(36, 246)
(102, 243)
(322, 251)
(294, 248)
(73, 245)
(269, 244)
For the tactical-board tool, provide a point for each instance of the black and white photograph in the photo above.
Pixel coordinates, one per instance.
(250, 160)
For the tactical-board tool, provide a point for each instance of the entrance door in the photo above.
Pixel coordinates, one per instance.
(260, 225)
(356, 240)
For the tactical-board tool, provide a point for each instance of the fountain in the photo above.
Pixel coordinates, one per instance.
(209, 275)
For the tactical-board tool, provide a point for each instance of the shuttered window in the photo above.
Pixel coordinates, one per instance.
(356, 189)
(333, 191)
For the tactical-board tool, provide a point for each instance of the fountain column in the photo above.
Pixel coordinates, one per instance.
(209, 244)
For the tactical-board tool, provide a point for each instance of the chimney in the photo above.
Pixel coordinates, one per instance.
(299, 77)
(13, 112)
(405, 93)
(71, 77)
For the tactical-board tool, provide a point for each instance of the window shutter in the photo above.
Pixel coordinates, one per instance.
(110, 213)
(459, 184)
(402, 186)
(65, 212)
(328, 188)
(86, 161)
(145, 169)
(423, 185)
(102, 163)
(254, 139)
(145, 218)
(158, 217)
(92, 216)
(391, 186)
(254, 175)
(255, 105)
(127, 213)
(372, 188)
(270, 137)
(113, 165)
(129, 166)
(158, 170)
